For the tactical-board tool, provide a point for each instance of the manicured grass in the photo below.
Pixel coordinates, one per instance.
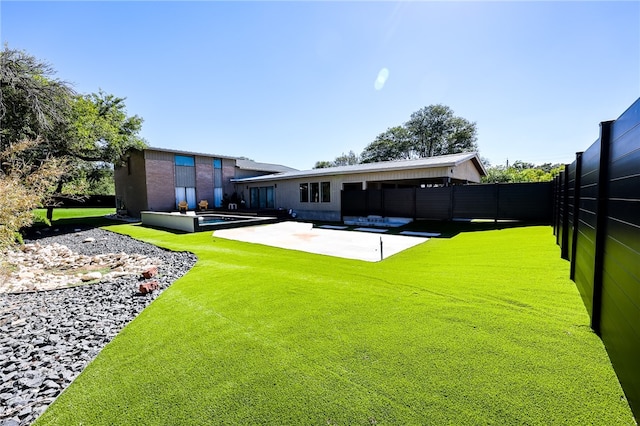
(481, 328)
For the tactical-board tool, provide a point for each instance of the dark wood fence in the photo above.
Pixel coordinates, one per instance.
(597, 225)
(86, 201)
(517, 201)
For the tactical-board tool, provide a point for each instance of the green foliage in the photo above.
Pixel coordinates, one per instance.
(77, 133)
(431, 131)
(342, 160)
(392, 144)
(34, 105)
(100, 129)
(23, 187)
(255, 334)
(522, 172)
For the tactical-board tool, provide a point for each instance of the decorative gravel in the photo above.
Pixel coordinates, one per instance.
(48, 338)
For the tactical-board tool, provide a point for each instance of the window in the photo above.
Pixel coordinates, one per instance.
(325, 192)
(304, 192)
(217, 182)
(185, 184)
(186, 194)
(262, 198)
(315, 192)
(184, 160)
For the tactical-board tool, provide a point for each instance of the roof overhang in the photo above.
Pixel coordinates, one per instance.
(443, 161)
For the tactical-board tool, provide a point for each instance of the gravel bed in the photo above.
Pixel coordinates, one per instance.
(48, 338)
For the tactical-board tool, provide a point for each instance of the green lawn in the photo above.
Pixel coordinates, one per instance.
(481, 328)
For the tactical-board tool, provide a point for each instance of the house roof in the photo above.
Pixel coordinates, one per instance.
(421, 163)
(245, 164)
(180, 152)
(241, 163)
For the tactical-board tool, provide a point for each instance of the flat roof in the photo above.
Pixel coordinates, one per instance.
(420, 163)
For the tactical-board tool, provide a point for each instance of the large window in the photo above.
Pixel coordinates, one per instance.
(185, 160)
(315, 192)
(325, 192)
(217, 182)
(185, 184)
(304, 192)
(186, 194)
(262, 198)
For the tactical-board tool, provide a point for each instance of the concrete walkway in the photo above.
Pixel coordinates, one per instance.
(304, 237)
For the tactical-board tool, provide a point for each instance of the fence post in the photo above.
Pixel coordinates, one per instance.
(497, 195)
(601, 224)
(576, 215)
(564, 238)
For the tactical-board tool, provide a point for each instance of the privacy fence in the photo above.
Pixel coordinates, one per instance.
(518, 201)
(86, 201)
(597, 225)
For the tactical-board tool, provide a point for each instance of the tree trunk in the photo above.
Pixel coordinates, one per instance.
(50, 206)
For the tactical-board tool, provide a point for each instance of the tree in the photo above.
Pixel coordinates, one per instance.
(342, 160)
(431, 131)
(98, 133)
(33, 107)
(520, 171)
(394, 143)
(79, 132)
(33, 104)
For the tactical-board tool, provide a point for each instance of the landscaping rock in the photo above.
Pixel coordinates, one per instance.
(48, 337)
(148, 287)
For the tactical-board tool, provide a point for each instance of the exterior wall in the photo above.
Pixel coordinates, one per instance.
(181, 222)
(466, 171)
(399, 175)
(204, 179)
(130, 182)
(228, 173)
(160, 177)
(287, 196)
(287, 192)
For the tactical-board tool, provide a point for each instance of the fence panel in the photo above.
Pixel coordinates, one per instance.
(375, 202)
(562, 216)
(586, 238)
(620, 313)
(606, 242)
(399, 202)
(354, 203)
(526, 201)
(434, 203)
(570, 206)
(475, 201)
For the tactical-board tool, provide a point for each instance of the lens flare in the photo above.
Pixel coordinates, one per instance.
(383, 75)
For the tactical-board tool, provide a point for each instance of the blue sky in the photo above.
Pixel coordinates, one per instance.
(295, 82)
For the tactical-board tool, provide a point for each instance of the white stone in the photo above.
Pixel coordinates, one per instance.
(90, 276)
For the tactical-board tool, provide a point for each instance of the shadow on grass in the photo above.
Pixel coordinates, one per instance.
(446, 228)
(449, 229)
(65, 226)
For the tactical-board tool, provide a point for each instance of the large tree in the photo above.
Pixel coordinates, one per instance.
(74, 132)
(342, 160)
(431, 131)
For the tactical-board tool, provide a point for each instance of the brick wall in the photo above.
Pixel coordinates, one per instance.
(160, 176)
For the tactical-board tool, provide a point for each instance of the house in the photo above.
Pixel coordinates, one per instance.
(160, 179)
(316, 194)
